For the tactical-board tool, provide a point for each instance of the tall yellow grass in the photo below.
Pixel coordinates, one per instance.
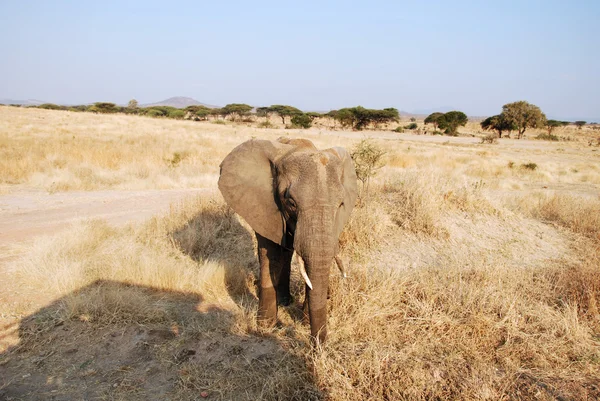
(460, 287)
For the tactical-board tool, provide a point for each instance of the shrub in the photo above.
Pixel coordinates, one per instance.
(220, 122)
(176, 114)
(302, 120)
(411, 126)
(367, 158)
(398, 129)
(265, 124)
(51, 106)
(490, 138)
(547, 137)
(154, 113)
(529, 166)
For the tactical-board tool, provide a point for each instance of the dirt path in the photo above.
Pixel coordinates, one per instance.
(27, 213)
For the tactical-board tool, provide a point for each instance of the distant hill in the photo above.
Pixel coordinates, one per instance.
(28, 102)
(180, 102)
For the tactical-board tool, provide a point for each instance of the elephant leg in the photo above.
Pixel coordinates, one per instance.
(281, 276)
(305, 314)
(274, 279)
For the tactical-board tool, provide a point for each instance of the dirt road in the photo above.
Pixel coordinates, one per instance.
(27, 213)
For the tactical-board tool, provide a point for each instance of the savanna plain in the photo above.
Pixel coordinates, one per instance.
(474, 269)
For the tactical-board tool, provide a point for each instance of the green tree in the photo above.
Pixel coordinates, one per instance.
(51, 106)
(105, 107)
(177, 114)
(313, 115)
(284, 111)
(216, 112)
(359, 118)
(579, 124)
(451, 120)
(133, 104)
(552, 124)
(497, 123)
(264, 112)
(434, 118)
(302, 120)
(523, 115)
(236, 110)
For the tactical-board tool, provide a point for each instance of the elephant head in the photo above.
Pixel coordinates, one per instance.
(299, 198)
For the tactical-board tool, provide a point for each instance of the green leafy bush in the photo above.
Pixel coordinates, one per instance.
(302, 121)
(411, 126)
(176, 114)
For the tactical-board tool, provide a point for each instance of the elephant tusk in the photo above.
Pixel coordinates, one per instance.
(340, 265)
(303, 270)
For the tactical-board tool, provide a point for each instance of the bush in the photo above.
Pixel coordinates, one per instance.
(411, 126)
(51, 106)
(398, 129)
(490, 138)
(265, 124)
(547, 137)
(367, 158)
(154, 113)
(220, 122)
(176, 114)
(302, 120)
(529, 166)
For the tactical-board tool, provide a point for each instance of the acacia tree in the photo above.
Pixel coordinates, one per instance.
(313, 115)
(359, 117)
(133, 104)
(579, 124)
(284, 111)
(499, 124)
(238, 110)
(264, 112)
(523, 115)
(451, 120)
(434, 118)
(551, 125)
(302, 120)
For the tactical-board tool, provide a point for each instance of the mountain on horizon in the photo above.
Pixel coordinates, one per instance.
(179, 102)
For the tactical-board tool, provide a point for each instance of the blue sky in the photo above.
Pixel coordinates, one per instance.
(474, 56)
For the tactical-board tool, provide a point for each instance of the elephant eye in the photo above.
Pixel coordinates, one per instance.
(291, 202)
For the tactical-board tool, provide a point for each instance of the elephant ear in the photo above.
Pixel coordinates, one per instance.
(246, 182)
(349, 182)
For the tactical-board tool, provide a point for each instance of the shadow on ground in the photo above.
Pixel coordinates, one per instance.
(111, 340)
(215, 234)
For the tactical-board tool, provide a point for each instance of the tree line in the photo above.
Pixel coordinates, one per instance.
(356, 118)
(517, 116)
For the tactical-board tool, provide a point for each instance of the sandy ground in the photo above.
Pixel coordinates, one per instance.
(27, 213)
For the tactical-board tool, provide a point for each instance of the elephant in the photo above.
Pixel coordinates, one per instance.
(297, 199)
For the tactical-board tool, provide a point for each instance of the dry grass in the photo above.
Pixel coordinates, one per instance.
(461, 287)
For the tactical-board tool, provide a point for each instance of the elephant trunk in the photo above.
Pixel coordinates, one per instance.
(315, 245)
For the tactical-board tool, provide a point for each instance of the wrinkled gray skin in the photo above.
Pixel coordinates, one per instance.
(296, 198)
